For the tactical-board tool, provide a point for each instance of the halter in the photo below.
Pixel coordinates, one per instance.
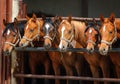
(68, 40)
(91, 41)
(14, 44)
(114, 39)
(47, 35)
(36, 36)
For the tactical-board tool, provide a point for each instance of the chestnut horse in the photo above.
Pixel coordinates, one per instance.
(109, 34)
(68, 59)
(32, 33)
(76, 30)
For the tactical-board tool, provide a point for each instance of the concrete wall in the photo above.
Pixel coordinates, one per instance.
(105, 7)
(56, 7)
(73, 7)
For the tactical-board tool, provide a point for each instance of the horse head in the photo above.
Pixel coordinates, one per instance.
(50, 31)
(66, 32)
(12, 35)
(92, 35)
(108, 33)
(32, 31)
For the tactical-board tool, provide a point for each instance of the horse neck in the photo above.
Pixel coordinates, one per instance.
(117, 23)
(79, 32)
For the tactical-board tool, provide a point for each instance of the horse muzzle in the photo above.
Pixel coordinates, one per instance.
(6, 53)
(103, 50)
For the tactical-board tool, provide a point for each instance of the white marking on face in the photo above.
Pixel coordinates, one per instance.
(47, 26)
(104, 28)
(8, 32)
(90, 31)
(63, 29)
(26, 27)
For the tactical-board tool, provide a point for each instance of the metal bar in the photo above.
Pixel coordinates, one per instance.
(67, 77)
(57, 50)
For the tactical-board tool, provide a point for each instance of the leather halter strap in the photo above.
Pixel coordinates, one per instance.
(68, 40)
(14, 44)
(114, 39)
(36, 36)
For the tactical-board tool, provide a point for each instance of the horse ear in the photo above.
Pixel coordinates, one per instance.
(86, 22)
(4, 22)
(43, 17)
(102, 18)
(60, 18)
(15, 24)
(15, 21)
(112, 17)
(27, 17)
(34, 16)
(94, 21)
(69, 19)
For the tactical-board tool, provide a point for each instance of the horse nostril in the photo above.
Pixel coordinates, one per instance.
(21, 44)
(104, 49)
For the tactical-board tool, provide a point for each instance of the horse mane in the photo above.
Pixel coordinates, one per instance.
(21, 26)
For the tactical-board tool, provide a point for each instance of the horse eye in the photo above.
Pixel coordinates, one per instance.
(31, 30)
(14, 35)
(110, 32)
(69, 31)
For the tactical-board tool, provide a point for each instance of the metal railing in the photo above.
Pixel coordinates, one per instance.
(64, 77)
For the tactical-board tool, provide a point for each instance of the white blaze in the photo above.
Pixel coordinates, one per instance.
(62, 30)
(8, 32)
(90, 31)
(104, 28)
(26, 27)
(47, 26)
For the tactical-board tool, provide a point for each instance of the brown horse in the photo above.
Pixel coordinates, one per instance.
(12, 34)
(109, 33)
(33, 33)
(76, 30)
(68, 59)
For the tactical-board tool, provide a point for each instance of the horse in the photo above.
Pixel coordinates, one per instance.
(68, 60)
(33, 35)
(12, 34)
(50, 33)
(79, 31)
(109, 32)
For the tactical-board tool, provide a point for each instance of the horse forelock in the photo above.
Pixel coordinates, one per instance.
(10, 27)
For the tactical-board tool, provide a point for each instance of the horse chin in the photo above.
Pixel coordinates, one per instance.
(104, 53)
